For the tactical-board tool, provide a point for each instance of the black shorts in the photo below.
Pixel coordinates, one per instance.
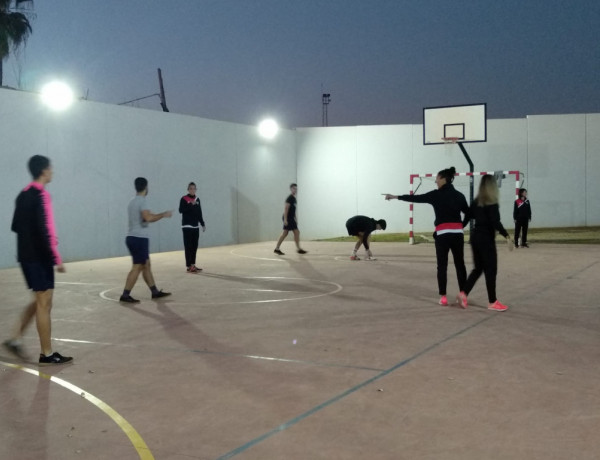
(139, 248)
(352, 231)
(292, 225)
(39, 276)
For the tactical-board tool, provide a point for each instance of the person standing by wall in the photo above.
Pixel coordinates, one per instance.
(522, 217)
(138, 242)
(362, 227)
(37, 252)
(290, 222)
(448, 204)
(486, 212)
(191, 220)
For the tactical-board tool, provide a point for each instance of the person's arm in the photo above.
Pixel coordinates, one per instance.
(423, 198)
(149, 217)
(286, 209)
(529, 209)
(183, 206)
(200, 219)
(515, 211)
(45, 222)
(494, 217)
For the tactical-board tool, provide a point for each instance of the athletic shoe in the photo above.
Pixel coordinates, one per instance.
(370, 258)
(516, 246)
(194, 269)
(15, 349)
(354, 258)
(497, 306)
(160, 294)
(525, 245)
(128, 299)
(189, 269)
(461, 298)
(444, 301)
(301, 251)
(54, 358)
(278, 251)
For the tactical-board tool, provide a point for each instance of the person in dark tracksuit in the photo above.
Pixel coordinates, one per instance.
(522, 217)
(191, 220)
(486, 212)
(37, 253)
(448, 204)
(362, 227)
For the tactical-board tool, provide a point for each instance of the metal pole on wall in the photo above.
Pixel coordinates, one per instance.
(326, 99)
(471, 179)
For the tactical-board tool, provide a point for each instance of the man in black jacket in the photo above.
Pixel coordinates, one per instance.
(522, 217)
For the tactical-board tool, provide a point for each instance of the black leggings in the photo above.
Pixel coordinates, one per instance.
(454, 242)
(486, 262)
(190, 243)
(521, 225)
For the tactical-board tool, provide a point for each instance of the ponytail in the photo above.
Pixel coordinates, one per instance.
(448, 174)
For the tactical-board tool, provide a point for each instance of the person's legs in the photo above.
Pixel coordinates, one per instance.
(478, 269)
(194, 245)
(187, 243)
(457, 246)
(283, 236)
(133, 275)
(441, 252)
(517, 232)
(43, 301)
(490, 269)
(525, 227)
(299, 250)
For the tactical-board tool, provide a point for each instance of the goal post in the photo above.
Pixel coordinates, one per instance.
(517, 175)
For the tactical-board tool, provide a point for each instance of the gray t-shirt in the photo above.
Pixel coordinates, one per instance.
(137, 225)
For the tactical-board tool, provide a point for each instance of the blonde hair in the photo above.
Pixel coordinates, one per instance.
(488, 191)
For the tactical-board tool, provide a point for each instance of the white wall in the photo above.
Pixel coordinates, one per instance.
(349, 168)
(97, 150)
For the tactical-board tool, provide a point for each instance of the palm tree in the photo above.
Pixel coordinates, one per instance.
(14, 28)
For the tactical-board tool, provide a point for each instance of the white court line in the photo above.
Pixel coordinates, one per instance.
(338, 288)
(256, 258)
(79, 283)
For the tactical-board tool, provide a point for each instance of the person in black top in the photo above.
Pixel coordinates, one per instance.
(362, 227)
(37, 253)
(486, 212)
(448, 204)
(522, 217)
(191, 217)
(290, 222)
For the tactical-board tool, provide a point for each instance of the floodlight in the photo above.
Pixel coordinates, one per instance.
(268, 128)
(57, 95)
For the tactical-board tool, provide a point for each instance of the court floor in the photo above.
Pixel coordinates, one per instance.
(311, 357)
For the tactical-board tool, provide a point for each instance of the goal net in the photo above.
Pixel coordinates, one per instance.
(421, 216)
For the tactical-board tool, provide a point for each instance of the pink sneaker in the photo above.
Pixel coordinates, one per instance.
(461, 298)
(444, 301)
(497, 306)
(354, 258)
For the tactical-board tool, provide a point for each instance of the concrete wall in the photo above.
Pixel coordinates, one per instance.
(97, 150)
(343, 171)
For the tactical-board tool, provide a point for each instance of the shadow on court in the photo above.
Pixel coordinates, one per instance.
(311, 357)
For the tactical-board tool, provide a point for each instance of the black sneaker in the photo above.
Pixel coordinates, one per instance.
(54, 358)
(278, 251)
(301, 251)
(160, 294)
(128, 299)
(525, 245)
(15, 349)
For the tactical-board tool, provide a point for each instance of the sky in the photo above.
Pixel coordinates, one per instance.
(382, 61)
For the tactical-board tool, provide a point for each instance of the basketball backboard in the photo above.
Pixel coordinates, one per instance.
(465, 123)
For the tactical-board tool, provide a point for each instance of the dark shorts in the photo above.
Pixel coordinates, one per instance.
(138, 248)
(38, 275)
(352, 231)
(292, 225)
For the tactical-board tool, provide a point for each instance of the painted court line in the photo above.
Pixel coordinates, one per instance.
(299, 418)
(136, 440)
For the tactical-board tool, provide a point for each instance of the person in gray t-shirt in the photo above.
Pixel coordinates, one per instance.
(137, 242)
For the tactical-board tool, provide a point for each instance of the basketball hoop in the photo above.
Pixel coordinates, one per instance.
(450, 140)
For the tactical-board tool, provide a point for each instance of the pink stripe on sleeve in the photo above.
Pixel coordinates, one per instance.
(50, 226)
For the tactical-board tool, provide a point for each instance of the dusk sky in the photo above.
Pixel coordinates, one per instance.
(382, 61)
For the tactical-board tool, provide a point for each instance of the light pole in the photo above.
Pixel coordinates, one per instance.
(326, 99)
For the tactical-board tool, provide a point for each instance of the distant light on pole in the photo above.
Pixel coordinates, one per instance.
(57, 95)
(268, 128)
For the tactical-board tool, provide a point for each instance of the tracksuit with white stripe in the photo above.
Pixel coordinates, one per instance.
(191, 216)
(448, 204)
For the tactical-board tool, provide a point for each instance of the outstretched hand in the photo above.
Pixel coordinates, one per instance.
(389, 196)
